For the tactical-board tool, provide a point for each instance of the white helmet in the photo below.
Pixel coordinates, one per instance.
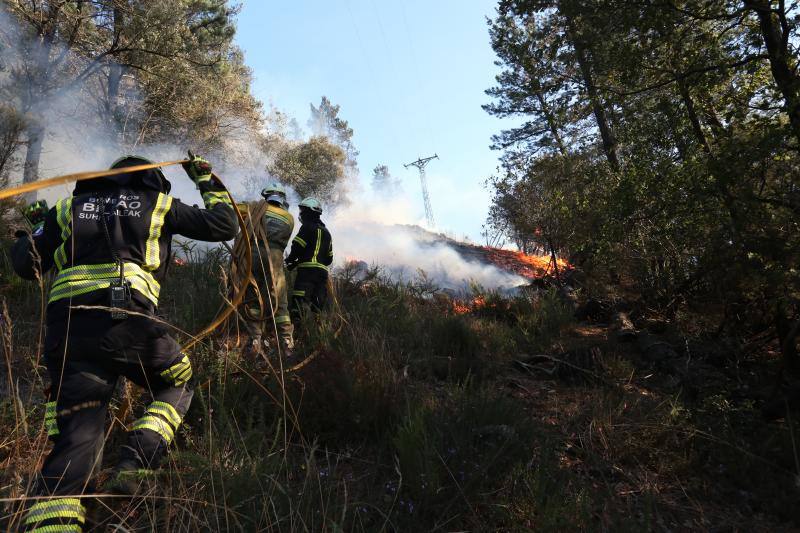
(273, 188)
(275, 192)
(311, 204)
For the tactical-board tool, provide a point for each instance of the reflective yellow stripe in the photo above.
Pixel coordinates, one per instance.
(283, 319)
(280, 214)
(52, 428)
(313, 264)
(153, 423)
(64, 219)
(46, 504)
(66, 528)
(83, 279)
(300, 241)
(298, 293)
(70, 508)
(180, 372)
(152, 254)
(316, 248)
(50, 409)
(167, 411)
(106, 271)
(212, 198)
(58, 513)
(77, 288)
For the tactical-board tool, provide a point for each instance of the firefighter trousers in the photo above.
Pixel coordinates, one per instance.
(310, 290)
(84, 369)
(271, 280)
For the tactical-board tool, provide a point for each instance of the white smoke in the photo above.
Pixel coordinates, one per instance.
(381, 232)
(366, 226)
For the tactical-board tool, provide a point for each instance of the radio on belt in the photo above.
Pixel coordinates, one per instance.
(120, 290)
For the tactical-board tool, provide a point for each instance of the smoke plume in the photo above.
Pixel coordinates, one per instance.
(365, 226)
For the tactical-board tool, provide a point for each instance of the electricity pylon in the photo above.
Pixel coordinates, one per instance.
(420, 163)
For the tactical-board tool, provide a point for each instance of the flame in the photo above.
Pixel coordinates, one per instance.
(463, 307)
(527, 266)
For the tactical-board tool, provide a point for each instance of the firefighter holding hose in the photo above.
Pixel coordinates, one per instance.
(271, 237)
(109, 244)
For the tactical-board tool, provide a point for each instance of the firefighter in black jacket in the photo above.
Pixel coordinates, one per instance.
(311, 254)
(110, 245)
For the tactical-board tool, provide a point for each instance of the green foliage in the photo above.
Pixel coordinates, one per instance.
(313, 168)
(325, 122)
(668, 161)
(146, 72)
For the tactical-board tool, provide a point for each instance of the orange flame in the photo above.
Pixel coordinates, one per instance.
(463, 307)
(527, 266)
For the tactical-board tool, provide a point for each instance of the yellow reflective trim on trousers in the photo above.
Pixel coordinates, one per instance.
(283, 319)
(55, 501)
(212, 198)
(298, 293)
(56, 508)
(64, 218)
(50, 409)
(300, 241)
(153, 423)
(66, 528)
(58, 513)
(167, 411)
(52, 427)
(152, 252)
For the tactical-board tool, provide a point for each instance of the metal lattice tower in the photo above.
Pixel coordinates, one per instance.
(421, 163)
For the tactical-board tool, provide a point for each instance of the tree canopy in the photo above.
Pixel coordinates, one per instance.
(659, 142)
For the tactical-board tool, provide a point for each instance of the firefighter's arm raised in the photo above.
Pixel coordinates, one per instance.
(217, 222)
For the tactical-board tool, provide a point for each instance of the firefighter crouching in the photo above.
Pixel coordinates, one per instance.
(311, 255)
(109, 244)
(277, 225)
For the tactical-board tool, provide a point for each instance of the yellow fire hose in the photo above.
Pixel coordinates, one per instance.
(80, 176)
(245, 257)
(257, 235)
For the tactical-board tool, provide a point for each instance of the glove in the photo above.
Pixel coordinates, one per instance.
(198, 169)
(35, 214)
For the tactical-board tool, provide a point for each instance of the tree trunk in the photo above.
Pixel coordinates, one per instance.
(551, 123)
(606, 135)
(37, 91)
(697, 128)
(33, 154)
(788, 330)
(774, 30)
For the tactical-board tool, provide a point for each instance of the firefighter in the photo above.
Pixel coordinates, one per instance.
(109, 244)
(311, 255)
(277, 225)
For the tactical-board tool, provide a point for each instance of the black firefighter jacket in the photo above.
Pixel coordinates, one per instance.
(140, 220)
(312, 248)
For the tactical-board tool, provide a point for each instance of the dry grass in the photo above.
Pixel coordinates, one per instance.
(412, 417)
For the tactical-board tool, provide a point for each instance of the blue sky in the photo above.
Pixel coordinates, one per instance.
(409, 77)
